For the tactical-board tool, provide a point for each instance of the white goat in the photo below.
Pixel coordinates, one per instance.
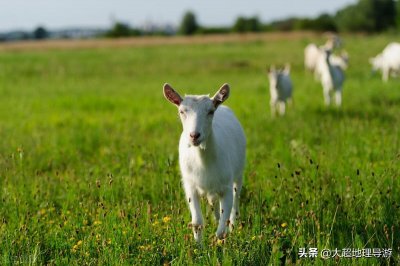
(332, 77)
(388, 61)
(312, 52)
(311, 55)
(280, 88)
(212, 151)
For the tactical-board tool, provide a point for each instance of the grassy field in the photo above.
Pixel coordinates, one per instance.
(88, 156)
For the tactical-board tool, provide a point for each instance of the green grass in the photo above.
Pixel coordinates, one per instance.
(89, 171)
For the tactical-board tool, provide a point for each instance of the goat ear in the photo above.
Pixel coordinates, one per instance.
(172, 95)
(221, 95)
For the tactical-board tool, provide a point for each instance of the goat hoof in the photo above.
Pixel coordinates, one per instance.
(221, 235)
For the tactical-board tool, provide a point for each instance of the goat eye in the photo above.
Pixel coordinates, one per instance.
(181, 112)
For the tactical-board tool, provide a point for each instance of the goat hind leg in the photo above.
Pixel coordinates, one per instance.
(327, 96)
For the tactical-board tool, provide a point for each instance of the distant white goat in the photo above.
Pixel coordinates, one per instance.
(280, 88)
(312, 52)
(388, 61)
(332, 77)
(212, 151)
(311, 55)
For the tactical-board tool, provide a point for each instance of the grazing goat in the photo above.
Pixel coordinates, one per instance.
(388, 61)
(280, 88)
(212, 151)
(332, 78)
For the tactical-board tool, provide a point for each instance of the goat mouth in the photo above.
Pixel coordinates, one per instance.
(196, 142)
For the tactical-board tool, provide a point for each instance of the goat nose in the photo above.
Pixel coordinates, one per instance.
(194, 135)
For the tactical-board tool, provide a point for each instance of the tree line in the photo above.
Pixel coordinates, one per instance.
(364, 16)
(369, 16)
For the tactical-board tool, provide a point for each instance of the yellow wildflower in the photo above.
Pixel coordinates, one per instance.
(145, 248)
(220, 241)
(166, 219)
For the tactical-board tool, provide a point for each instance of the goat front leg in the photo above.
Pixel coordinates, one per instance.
(338, 97)
(327, 96)
(237, 187)
(226, 208)
(195, 210)
(385, 74)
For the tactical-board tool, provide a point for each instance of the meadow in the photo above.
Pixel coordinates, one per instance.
(89, 146)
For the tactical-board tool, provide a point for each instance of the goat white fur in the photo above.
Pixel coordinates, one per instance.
(332, 77)
(311, 55)
(388, 61)
(212, 151)
(280, 88)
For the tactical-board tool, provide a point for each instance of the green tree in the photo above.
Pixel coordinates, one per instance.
(240, 25)
(398, 15)
(324, 22)
(385, 14)
(40, 33)
(189, 24)
(368, 15)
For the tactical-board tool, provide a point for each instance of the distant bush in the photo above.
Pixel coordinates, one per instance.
(324, 22)
(122, 30)
(243, 24)
(213, 30)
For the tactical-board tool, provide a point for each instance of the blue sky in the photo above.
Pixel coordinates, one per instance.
(53, 14)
